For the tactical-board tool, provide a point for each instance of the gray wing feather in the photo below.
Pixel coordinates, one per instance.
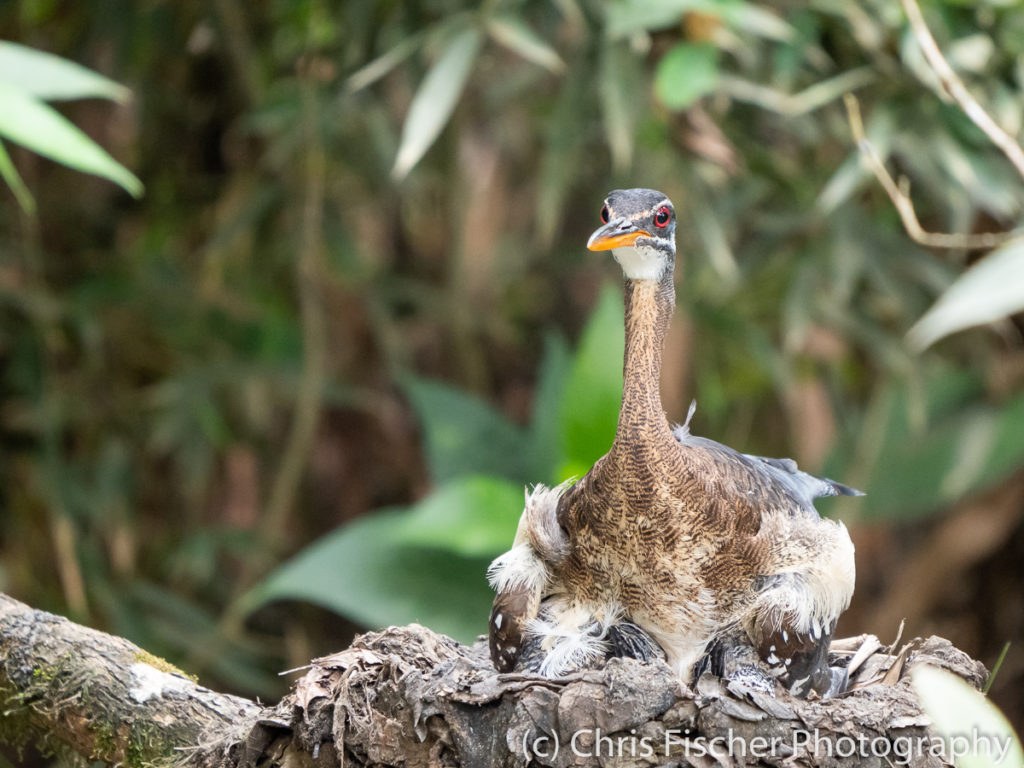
(802, 487)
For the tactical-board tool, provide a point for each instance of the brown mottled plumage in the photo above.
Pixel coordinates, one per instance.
(686, 538)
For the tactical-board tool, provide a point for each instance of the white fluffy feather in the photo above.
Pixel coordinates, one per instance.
(539, 526)
(822, 587)
(539, 542)
(519, 568)
(575, 637)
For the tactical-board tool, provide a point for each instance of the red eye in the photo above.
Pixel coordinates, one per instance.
(604, 214)
(662, 217)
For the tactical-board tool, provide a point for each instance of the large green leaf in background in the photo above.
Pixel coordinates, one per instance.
(546, 437)
(471, 516)
(593, 391)
(360, 572)
(463, 435)
(426, 563)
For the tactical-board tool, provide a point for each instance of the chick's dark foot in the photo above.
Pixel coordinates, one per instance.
(732, 657)
(627, 640)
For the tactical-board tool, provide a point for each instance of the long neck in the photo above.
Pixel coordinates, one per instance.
(649, 307)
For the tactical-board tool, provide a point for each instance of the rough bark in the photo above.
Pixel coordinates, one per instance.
(407, 696)
(78, 692)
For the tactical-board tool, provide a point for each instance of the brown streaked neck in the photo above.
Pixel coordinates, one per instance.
(649, 307)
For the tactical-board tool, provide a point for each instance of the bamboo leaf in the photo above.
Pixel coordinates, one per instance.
(435, 100)
(519, 38)
(988, 291)
(52, 78)
(624, 17)
(36, 126)
(383, 64)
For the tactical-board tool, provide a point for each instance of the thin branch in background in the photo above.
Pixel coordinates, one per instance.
(955, 87)
(899, 194)
(275, 521)
(309, 273)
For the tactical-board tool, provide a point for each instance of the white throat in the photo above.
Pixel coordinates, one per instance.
(639, 263)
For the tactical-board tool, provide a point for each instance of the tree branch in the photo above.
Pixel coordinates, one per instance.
(899, 194)
(407, 696)
(954, 86)
(74, 690)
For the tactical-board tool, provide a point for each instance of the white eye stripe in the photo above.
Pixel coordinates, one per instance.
(666, 203)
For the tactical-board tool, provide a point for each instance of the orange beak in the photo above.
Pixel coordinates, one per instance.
(614, 235)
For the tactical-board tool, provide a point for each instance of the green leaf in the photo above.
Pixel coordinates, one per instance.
(792, 105)
(593, 393)
(361, 572)
(471, 516)
(512, 33)
(684, 74)
(965, 445)
(546, 449)
(38, 127)
(51, 78)
(435, 100)
(13, 178)
(517, 37)
(624, 17)
(376, 69)
(758, 21)
(988, 291)
(464, 435)
(975, 733)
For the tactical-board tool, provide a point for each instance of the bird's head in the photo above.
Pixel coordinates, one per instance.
(640, 229)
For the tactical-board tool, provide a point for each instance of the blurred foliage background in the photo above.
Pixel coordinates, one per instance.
(297, 387)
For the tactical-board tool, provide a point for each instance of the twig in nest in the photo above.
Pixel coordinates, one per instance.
(899, 194)
(955, 87)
